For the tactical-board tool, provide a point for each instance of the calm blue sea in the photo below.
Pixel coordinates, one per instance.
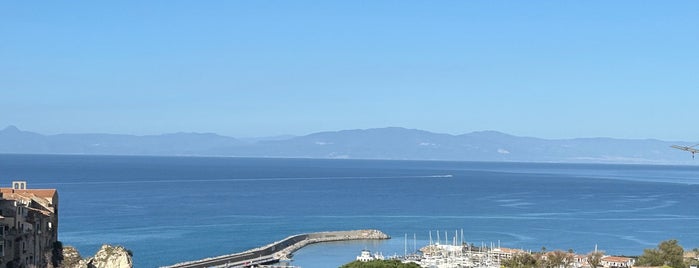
(173, 209)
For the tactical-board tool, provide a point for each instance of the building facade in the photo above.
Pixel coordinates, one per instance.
(617, 262)
(28, 225)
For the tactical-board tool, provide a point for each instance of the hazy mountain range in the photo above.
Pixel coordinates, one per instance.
(378, 143)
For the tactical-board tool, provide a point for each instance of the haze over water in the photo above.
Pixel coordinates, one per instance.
(173, 209)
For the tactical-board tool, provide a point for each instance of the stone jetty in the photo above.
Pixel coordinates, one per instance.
(279, 250)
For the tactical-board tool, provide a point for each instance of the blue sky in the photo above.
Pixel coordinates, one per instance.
(549, 69)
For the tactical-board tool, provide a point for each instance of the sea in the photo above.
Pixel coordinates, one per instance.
(173, 209)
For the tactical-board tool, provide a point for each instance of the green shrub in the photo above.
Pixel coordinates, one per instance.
(380, 264)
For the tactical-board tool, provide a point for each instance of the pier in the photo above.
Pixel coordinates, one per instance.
(280, 250)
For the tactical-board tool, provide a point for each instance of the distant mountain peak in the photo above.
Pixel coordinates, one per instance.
(489, 132)
(370, 143)
(394, 130)
(11, 128)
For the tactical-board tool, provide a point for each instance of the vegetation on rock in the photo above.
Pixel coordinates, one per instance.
(107, 257)
(70, 257)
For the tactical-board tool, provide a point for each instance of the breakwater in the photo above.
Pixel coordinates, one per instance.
(281, 249)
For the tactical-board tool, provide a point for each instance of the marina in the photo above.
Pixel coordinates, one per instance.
(451, 252)
(454, 252)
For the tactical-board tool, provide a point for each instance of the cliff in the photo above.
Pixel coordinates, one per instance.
(107, 257)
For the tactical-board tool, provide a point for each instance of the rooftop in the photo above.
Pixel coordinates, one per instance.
(616, 259)
(44, 193)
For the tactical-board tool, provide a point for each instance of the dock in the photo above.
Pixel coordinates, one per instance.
(280, 250)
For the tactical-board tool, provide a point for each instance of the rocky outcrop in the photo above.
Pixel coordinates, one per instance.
(71, 258)
(107, 257)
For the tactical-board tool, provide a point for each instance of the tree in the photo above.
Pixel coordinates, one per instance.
(520, 260)
(559, 259)
(569, 259)
(555, 259)
(650, 257)
(668, 253)
(672, 253)
(695, 259)
(380, 264)
(594, 259)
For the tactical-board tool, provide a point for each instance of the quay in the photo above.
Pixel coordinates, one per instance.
(280, 250)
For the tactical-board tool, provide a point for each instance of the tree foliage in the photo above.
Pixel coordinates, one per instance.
(594, 259)
(521, 260)
(668, 253)
(559, 258)
(380, 264)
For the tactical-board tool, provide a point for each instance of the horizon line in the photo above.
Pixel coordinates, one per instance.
(291, 136)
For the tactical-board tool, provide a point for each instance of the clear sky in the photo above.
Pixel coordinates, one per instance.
(549, 69)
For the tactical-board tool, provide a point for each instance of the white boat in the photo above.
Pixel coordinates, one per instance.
(366, 256)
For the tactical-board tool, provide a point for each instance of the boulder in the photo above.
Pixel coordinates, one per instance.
(106, 257)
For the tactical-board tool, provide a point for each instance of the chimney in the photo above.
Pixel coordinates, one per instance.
(19, 185)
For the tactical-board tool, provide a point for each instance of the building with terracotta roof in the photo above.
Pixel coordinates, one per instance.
(28, 225)
(617, 262)
(505, 253)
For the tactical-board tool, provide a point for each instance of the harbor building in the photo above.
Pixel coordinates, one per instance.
(366, 256)
(28, 225)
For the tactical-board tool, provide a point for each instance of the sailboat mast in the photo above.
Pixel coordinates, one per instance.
(456, 237)
(405, 249)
